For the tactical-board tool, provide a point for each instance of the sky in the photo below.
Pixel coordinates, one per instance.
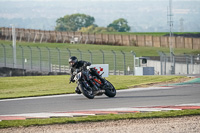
(98, 0)
(142, 15)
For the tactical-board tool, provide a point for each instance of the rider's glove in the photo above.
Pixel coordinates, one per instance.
(71, 79)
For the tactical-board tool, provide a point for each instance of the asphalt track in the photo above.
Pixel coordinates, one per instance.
(136, 97)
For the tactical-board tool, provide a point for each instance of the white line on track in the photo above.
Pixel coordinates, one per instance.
(67, 95)
(47, 115)
(137, 109)
(39, 97)
(190, 104)
(66, 114)
(144, 89)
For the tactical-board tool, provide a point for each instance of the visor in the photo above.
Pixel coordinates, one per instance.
(71, 63)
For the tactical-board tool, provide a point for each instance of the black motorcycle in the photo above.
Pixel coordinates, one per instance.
(91, 86)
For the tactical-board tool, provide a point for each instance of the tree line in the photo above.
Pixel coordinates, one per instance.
(86, 23)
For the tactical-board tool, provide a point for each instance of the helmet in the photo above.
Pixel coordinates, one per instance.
(73, 61)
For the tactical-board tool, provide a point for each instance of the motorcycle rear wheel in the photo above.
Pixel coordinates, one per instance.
(87, 93)
(110, 91)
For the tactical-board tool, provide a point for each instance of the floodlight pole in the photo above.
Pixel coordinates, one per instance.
(170, 26)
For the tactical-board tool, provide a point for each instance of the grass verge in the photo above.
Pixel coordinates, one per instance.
(140, 51)
(50, 121)
(15, 87)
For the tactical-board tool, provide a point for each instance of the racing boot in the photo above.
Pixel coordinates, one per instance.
(77, 90)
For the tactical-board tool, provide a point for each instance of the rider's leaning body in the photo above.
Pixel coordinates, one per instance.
(81, 65)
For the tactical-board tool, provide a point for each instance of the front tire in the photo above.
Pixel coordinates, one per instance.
(87, 93)
(110, 91)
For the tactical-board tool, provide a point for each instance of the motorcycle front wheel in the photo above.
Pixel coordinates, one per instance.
(86, 92)
(110, 91)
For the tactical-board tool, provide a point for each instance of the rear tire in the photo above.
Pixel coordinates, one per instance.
(86, 93)
(110, 91)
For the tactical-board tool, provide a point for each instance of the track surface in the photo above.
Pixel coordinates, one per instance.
(137, 97)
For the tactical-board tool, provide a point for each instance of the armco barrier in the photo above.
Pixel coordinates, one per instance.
(31, 35)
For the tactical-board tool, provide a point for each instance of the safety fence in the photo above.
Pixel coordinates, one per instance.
(30, 35)
(120, 63)
(170, 64)
(56, 59)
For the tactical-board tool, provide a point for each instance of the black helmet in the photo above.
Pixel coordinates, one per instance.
(73, 61)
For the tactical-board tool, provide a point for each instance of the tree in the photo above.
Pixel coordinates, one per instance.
(74, 22)
(95, 29)
(120, 25)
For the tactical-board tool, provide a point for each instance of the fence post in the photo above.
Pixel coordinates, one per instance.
(6, 33)
(161, 65)
(22, 56)
(165, 65)
(31, 57)
(124, 62)
(35, 37)
(80, 53)
(4, 54)
(90, 55)
(59, 62)
(173, 65)
(69, 52)
(187, 62)
(40, 58)
(42, 35)
(192, 63)
(29, 36)
(134, 55)
(49, 58)
(114, 61)
(14, 65)
(102, 54)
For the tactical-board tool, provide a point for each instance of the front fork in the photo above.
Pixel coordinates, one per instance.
(85, 84)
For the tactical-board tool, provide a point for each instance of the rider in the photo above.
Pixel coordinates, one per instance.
(82, 65)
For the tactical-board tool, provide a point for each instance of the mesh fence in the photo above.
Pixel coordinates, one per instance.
(120, 63)
(179, 64)
(56, 60)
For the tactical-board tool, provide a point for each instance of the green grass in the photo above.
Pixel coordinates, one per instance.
(140, 51)
(13, 87)
(95, 49)
(50, 121)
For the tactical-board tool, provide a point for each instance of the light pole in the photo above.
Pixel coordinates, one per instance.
(170, 38)
(170, 25)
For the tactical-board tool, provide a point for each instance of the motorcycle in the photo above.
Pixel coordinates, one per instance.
(90, 86)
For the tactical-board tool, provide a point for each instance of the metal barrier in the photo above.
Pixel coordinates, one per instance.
(56, 59)
(179, 64)
(120, 62)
